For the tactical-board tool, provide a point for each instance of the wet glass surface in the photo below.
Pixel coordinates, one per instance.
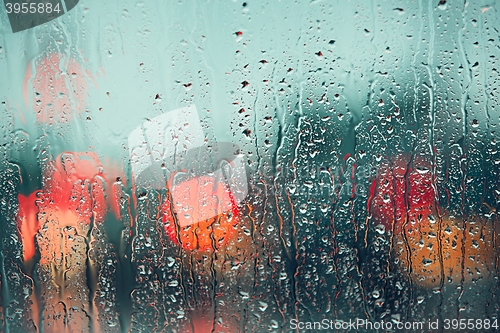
(251, 166)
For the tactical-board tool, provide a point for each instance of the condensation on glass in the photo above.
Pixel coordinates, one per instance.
(250, 166)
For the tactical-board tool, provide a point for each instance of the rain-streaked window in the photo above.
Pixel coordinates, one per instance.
(249, 166)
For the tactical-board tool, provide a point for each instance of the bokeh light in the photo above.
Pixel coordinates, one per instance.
(205, 214)
(451, 249)
(59, 88)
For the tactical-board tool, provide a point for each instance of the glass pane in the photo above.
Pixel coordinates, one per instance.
(249, 166)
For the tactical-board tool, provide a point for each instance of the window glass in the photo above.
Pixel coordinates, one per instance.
(249, 166)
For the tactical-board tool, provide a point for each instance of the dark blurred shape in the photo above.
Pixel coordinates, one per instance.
(33, 14)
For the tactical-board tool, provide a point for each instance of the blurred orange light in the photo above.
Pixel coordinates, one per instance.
(59, 217)
(431, 252)
(205, 214)
(73, 193)
(202, 321)
(28, 223)
(59, 86)
(428, 247)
